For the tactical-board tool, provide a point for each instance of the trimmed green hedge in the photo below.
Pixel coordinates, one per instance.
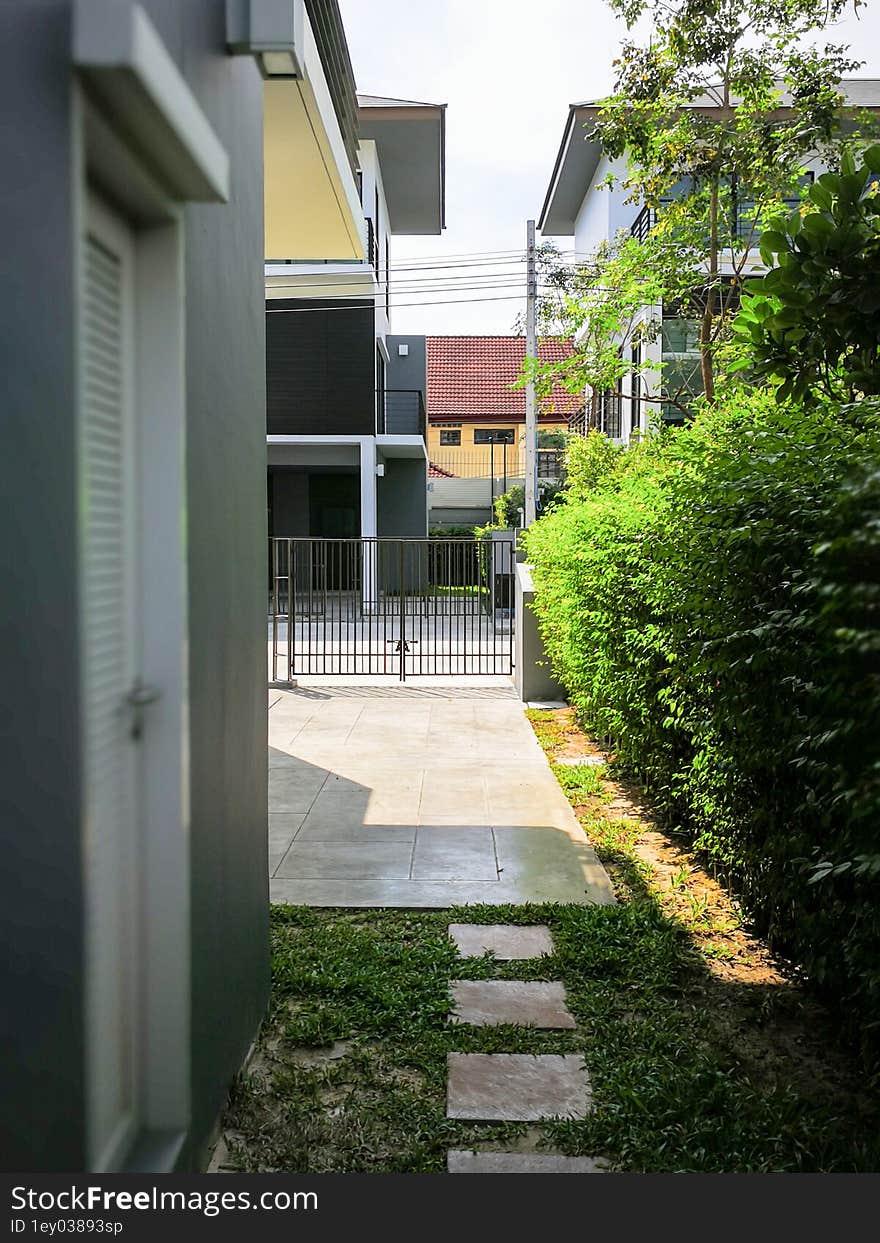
(711, 601)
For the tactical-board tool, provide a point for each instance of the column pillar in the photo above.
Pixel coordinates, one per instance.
(369, 527)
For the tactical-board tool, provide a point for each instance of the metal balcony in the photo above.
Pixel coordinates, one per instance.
(404, 411)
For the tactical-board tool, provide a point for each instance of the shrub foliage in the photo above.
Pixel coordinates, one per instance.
(711, 601)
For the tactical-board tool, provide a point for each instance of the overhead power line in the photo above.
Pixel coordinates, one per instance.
(307, 310)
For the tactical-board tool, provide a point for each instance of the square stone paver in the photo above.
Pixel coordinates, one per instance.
(313, 860)
(294, 788)
(488, 1003)
(506, 941)
(520, 1163)
(516, 1087)
(454, 852)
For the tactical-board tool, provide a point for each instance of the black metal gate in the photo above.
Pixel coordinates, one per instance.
(405, 607)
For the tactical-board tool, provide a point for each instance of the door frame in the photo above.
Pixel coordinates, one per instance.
(163, 985)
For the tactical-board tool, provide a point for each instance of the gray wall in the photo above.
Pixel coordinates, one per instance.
(410, 372)
(41, 1096)
(401, 509)
(402, 498)
(41, 1126)
(226, 477)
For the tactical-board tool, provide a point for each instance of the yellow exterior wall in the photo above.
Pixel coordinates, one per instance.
(308, 213)
(470, 461)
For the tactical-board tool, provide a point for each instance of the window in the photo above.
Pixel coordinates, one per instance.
(380, 393)
(681, 357)
(609, 413)
(635, 401)
(493, 436)
(450, 438)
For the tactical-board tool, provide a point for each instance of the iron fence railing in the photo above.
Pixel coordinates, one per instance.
(405, 412)
(391, 606)
(497, 462)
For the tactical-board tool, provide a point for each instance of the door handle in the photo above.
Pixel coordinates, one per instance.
(138, 700)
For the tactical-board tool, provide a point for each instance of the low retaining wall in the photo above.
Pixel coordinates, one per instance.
(532, 674)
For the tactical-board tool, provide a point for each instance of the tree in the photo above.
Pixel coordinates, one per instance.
(811, 325)
(714, 117)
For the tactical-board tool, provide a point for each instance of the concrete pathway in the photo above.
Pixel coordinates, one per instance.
(418, 796)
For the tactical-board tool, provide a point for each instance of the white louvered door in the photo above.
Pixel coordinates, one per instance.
(109, 613)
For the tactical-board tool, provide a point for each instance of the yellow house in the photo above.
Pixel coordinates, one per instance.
(476, 417)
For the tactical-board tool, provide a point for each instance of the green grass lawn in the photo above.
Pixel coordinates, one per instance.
(695, 1066)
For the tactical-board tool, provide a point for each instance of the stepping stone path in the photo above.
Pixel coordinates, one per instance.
(519, 1163)
(505, 941)
(486, 1003)
(516, 1087)
(513, 1087)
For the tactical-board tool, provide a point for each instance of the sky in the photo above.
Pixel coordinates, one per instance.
(507, 69)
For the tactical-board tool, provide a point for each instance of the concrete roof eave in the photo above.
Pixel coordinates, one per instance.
(410, 138)
(574, 169)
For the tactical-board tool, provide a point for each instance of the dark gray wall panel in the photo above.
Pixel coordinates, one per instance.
(410, 372)
(41, 1096)
(42, 1109)
(226, 477)
(402, 498)
(320, 368)
(290, 503)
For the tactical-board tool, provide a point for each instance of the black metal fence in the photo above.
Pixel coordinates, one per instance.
(404, 412)
(406, 607)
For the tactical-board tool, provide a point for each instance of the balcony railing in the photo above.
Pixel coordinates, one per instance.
(741, 223)
(404, 410)
(372, 247)
(643, 224)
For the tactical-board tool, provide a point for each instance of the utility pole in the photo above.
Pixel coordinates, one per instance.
(531, 352)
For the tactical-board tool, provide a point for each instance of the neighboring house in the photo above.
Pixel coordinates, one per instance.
(345, 407)
(133, 553)
(476, 422)
(579, 204)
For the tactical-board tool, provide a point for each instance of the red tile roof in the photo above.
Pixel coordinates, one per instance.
(469, 380)
(437, 472)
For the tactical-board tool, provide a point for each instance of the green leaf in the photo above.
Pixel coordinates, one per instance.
(822, 196)
(818, 225)
(773, 241)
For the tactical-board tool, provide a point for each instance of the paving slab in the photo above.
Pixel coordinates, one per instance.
(460, 1162)
(294, 789)
(489, 1003)
(516, 1087)
(420, 802)
(507, 942)
(283, 828)
(546, 705)
(454, 852)
(582, 761)
(311, 860)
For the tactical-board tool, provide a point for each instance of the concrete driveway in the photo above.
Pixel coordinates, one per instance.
(418, 796)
